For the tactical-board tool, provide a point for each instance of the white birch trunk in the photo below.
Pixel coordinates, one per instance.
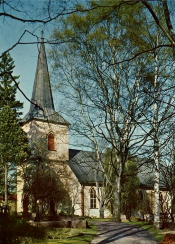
(156, 150)
(101, 208)
(156, 187)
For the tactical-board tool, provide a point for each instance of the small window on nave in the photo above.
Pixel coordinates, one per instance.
(51, 142)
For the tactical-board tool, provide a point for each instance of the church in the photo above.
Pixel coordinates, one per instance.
(48, 130)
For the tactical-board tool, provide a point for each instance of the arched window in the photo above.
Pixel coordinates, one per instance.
(93, 198)
(51, 142)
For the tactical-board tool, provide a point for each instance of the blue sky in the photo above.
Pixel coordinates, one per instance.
(24, 55)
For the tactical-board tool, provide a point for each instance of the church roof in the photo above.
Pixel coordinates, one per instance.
(42, 106)
(84, 167)
(146, 174)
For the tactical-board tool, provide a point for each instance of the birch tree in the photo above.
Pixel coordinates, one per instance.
(167, 173)
(113, 96)
(106, 94)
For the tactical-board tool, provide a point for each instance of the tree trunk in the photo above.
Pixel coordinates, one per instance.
(156, 148)
(6, 184)
(117, 201)
(156, 184)
(156, 198)
(101, 212)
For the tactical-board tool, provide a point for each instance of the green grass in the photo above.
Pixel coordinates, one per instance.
(149, 227)
(98, 219)
(20, 232)
(72, 236)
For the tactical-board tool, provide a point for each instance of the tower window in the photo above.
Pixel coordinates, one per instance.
(51, 142)
(93, 198)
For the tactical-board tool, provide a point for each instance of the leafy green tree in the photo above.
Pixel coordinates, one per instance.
(130, 189)
(112, 79)
(167, 178)
(43, 186)
(108, 100)
(130, 185)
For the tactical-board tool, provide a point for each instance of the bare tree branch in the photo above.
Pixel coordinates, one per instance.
(170, 34)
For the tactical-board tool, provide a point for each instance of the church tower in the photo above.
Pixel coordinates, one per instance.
(42, 106)
(47, 130)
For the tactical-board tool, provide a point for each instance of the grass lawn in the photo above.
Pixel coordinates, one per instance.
(20, 232)
(65, 235)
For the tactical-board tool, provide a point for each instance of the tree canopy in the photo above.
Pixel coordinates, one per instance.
(115, 74)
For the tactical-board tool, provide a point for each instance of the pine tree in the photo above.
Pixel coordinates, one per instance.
(8, 88)
(14, 146)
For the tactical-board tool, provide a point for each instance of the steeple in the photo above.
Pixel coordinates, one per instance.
(42, 93)
(42, 106)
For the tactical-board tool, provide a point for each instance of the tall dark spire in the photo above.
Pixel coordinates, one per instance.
(42, 93)
(42, 106)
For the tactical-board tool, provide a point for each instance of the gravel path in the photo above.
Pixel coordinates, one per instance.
(122, 233)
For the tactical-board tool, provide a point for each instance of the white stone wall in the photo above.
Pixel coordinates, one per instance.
(71, 183)
(38, 132)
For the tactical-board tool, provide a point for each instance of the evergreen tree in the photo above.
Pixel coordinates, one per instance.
(14, 146)
(8, 87)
